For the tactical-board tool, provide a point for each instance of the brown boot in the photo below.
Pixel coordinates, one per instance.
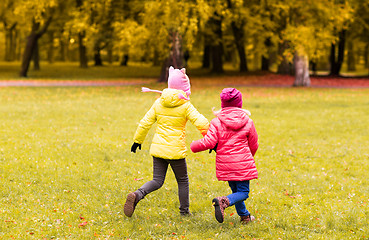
(220, 203)
(130, 205)
(247, 219)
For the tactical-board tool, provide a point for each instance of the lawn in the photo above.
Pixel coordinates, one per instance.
(66, 166)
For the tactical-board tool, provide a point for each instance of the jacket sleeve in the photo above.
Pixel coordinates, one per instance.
(197, 119)
(253, 139)
(207, 142)
(144, 126)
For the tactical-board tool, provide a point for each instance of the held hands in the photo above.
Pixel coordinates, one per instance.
(134, 147)
(214, 149)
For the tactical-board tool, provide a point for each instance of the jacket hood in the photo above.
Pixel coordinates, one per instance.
(233, 117)
(171, 97)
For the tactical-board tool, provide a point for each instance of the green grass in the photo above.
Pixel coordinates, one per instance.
(111, 72)
(65, 159)
(72, 71)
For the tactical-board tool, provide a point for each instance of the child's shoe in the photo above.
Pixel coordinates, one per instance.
(220, 203)
(247, 219)
(130, 205)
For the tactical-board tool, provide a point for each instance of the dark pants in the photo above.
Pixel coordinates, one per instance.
(179, 168)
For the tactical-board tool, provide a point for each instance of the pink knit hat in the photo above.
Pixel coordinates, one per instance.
(177, 79)
(231, 97)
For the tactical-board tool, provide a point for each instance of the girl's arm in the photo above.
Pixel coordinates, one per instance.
(145, 124)
(208, 142)
(197, 119)
(253, 139)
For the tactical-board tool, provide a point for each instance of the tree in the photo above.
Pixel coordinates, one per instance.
(39, 15)
(55, 35)
(10, 24)
(336, 62)
(211, 22)
(238, 20)
(216, 47)
(341, 22)
(81, 31)
(102, 18)
(172, 26)
(359, 32)
(309, 30)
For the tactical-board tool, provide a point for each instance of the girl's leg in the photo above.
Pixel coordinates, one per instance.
(240, 192)
(160, 167)
(180, 171)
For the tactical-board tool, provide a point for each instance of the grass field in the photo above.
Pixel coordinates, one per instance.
(66, 166)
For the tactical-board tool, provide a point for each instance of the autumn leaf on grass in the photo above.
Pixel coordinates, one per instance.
(82, 224)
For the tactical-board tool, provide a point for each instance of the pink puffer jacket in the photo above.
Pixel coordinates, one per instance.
(237, 140)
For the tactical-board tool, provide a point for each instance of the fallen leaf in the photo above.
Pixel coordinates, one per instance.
(83, 224)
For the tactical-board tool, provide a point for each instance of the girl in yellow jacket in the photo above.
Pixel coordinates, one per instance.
(171, 112)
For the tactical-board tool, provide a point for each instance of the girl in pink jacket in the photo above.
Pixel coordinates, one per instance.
(233, 136)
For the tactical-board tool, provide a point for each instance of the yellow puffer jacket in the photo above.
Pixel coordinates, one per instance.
(171, 114)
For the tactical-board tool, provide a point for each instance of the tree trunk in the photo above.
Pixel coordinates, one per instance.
(124, 60)
(217, 46)
(17, 46)
(110, 53)
(239, 38)
(82, 50)
(10, 41)
(351, 63)
(63, 51)
(265, 62)
(97, 55)
(313, 67)
(336, 65)
(177, 55)
(32, 39)
(27, 54)
(284, 66)
(206, 56)
(36, 57)
(13, 45)
(341, 50)
(174, 59)
(83, 62)
(164, 72)
(302, 77)
(156, 60)
(332, 59)
(240, 44)
(217, 60)
(7, 43)
(186, 57)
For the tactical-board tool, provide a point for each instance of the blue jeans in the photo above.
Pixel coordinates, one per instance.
(240, 192)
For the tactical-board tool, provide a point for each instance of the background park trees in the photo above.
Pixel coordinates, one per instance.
(285, 36)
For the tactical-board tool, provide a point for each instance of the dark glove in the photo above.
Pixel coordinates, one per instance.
(134, 147)
(214, 149)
